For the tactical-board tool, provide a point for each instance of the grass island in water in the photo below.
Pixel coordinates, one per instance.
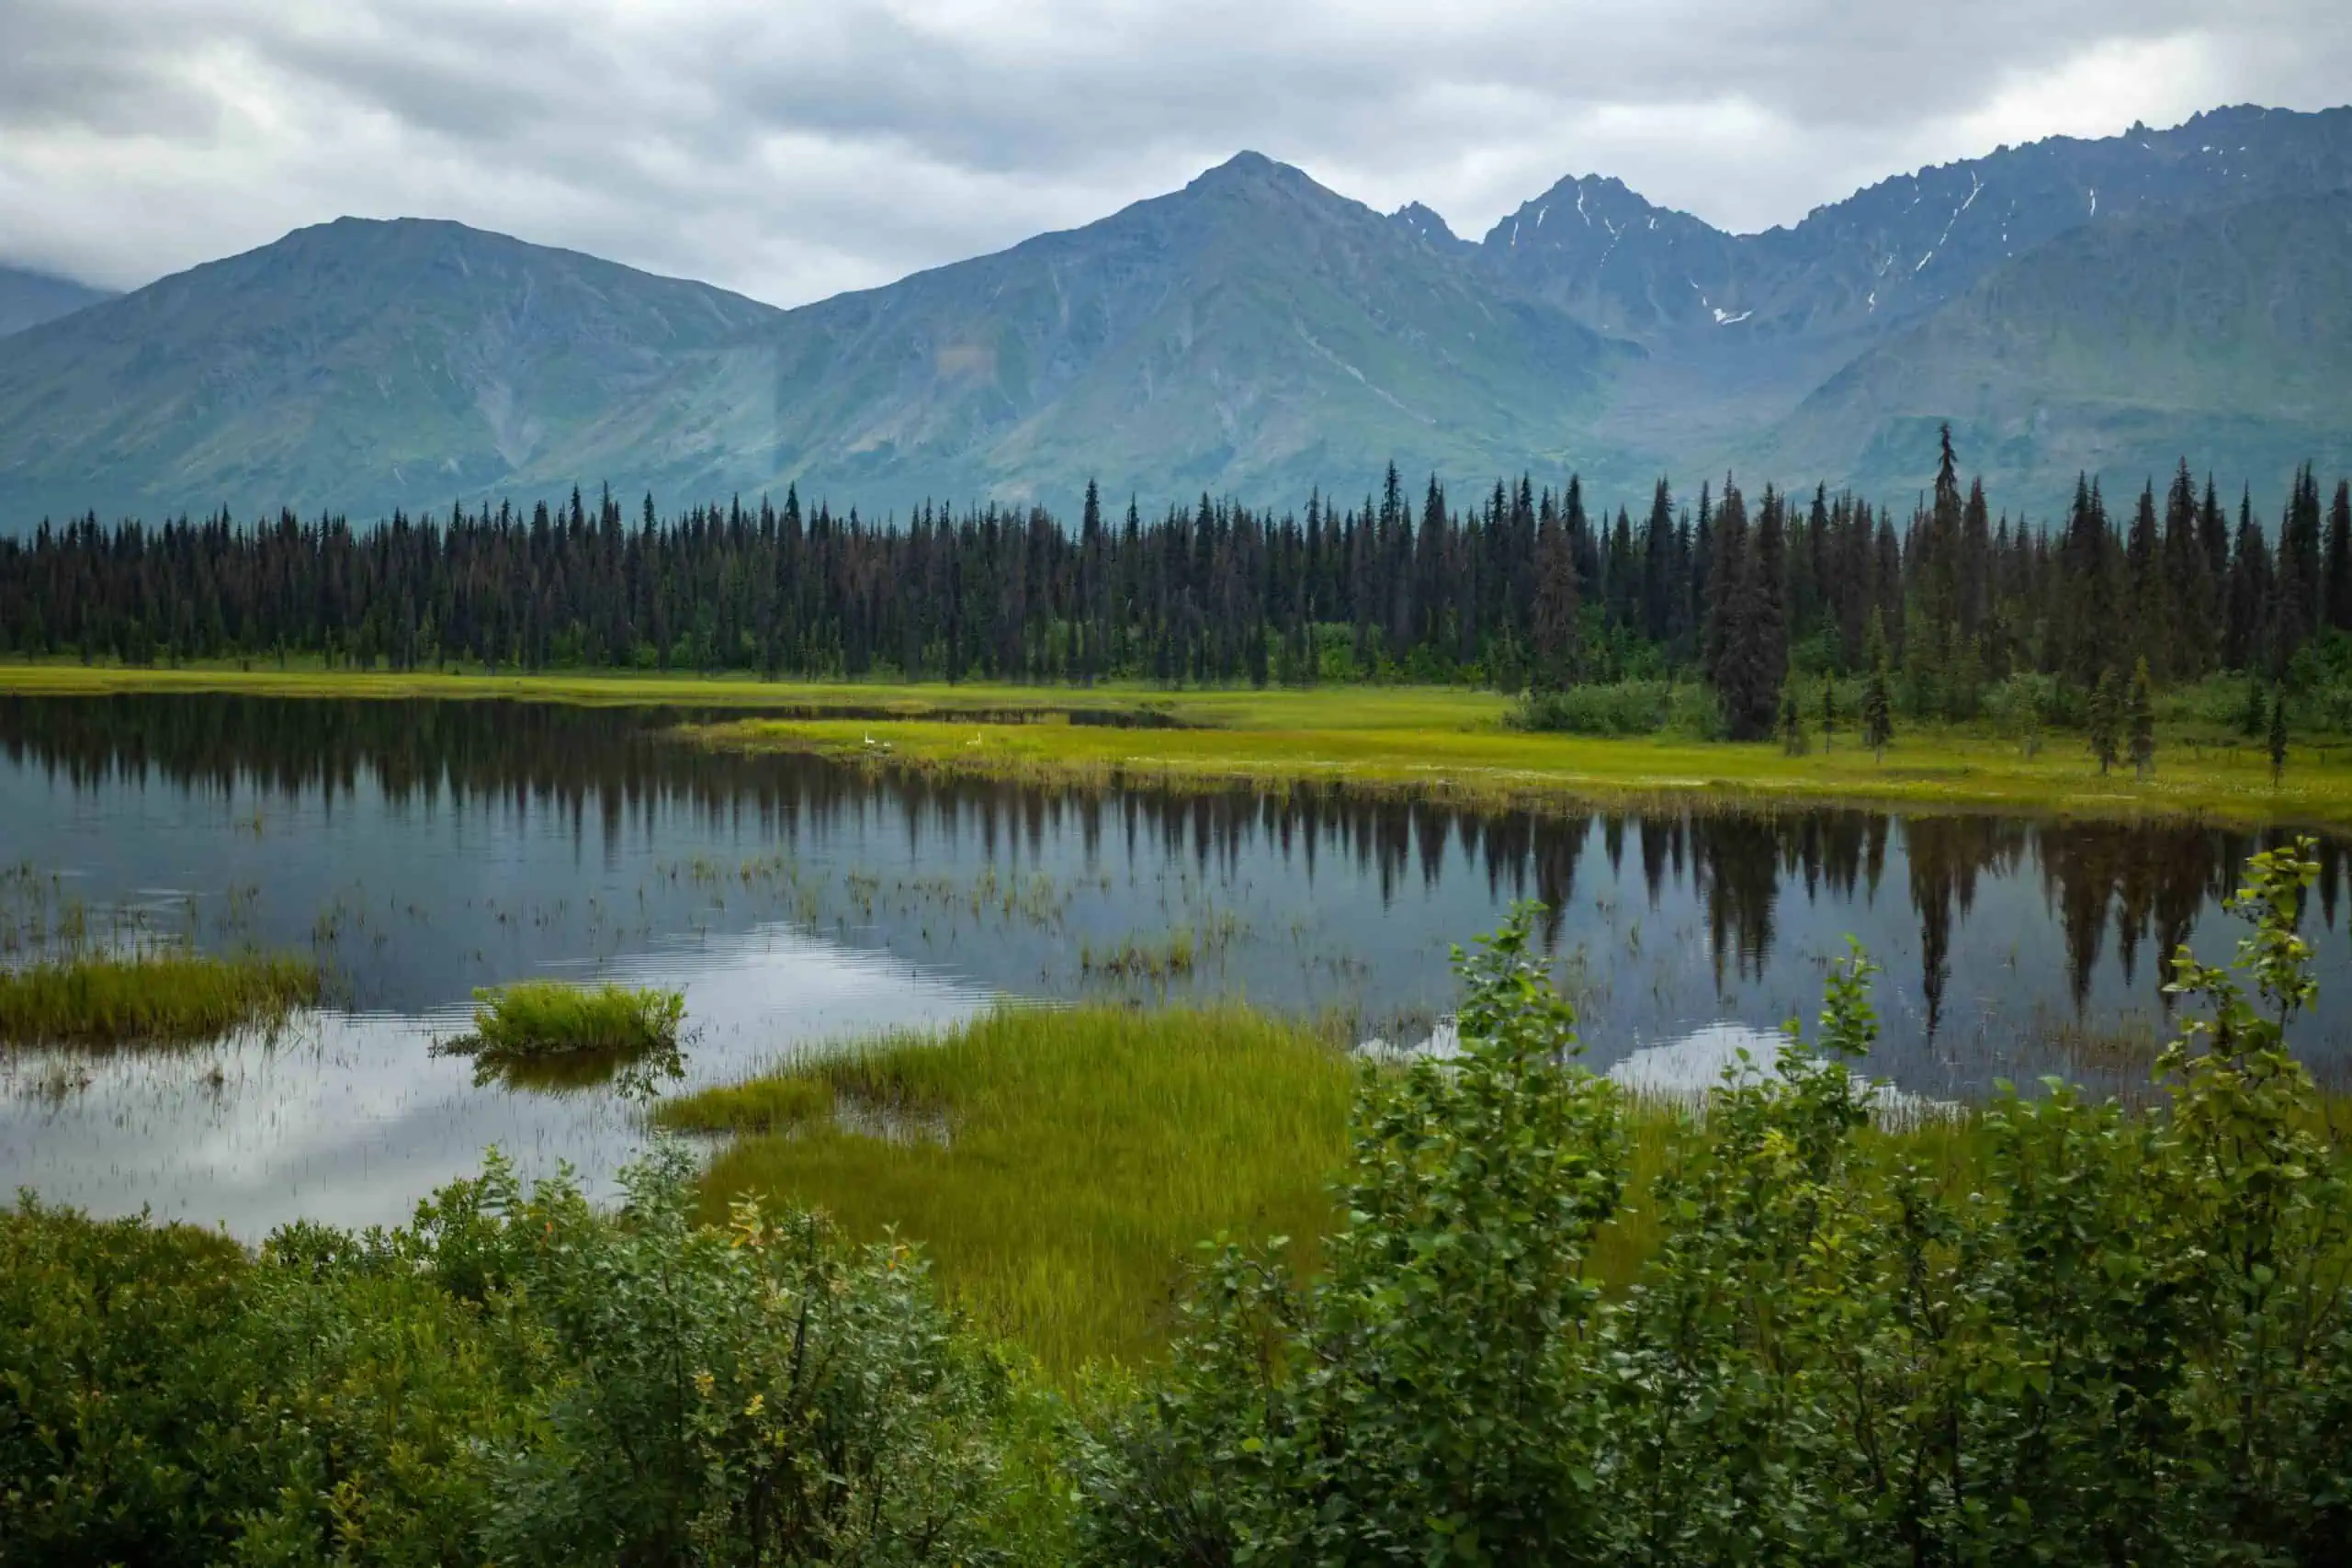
(167, 999)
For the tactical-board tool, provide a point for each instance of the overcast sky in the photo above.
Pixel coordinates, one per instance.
(791, 150)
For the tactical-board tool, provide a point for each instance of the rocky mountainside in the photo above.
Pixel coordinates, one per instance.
(1252, 333)
(2119, 346)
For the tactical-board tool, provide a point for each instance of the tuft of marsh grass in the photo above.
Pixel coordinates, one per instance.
(548, 1035)
(1087, 1153)
(1132, 960)
(762, 1105)
(550, 1018)
(162, 999)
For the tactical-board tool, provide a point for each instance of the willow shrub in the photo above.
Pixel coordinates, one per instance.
(2116, 1339)
(515, 1377)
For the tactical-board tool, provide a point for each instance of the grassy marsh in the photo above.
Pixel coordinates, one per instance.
(1061, 1167)
(1085, 1153)
(164, 999)
(1363, 742)
(1448, 742)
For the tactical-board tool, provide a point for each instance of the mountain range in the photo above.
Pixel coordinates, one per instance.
(2109, 304)
(29, 299)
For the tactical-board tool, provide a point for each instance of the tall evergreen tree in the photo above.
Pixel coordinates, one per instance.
(2143, 721)
(2339, 558)
(1556, 599)
(2277, 734)
(1878, 698)
(2104, 728)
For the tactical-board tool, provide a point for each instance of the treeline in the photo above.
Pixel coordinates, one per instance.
(1524, 588)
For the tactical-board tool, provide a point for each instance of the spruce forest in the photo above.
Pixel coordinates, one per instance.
(1527, 589)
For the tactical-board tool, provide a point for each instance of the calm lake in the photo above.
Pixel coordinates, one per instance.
(424, 849)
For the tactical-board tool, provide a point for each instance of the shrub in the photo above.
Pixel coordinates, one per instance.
(2114, 1338)
(1627, 708)
(513, 1377)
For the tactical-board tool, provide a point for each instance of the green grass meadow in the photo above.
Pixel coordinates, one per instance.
(1450, 742)
(1058, 1166)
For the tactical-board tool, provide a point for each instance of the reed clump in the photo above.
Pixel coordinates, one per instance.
(537, 1018)
(555, 1038)
(159, 998)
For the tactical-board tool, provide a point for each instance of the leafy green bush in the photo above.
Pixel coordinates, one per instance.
(2125, 1339)
(513, 1377)
(1625, 708)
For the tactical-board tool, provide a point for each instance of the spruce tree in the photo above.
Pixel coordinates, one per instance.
(2143, 721)
(2106, 719)
(1828, 712)
(2253, 718)
(2277, 734)
(1793, 740)
(2338, 571)
(1877, 703)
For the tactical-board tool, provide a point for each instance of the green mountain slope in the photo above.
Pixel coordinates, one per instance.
(357, 365)
(2118, 347)
(29, 299)
(1252, 333)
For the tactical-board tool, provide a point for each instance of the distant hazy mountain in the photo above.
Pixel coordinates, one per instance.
(1742, 328)
(1903, 246)
(29, 299)
(2119, 346)
(2106, 304)
(356, 363)
(1251, 333)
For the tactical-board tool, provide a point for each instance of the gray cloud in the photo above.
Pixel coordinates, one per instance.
(792, 150)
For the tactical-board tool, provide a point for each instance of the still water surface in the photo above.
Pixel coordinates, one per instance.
(428, 848)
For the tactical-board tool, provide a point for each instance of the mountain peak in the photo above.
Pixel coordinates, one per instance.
(1254, 172)
(1423, 224)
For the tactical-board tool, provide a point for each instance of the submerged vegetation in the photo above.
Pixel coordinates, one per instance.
(164, 998)
(2077, 1332)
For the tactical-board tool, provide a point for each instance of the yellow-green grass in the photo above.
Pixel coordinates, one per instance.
(1447, 742)
(1059, 1167)
(1375, 706)
(539, 1019)
(159, 1000)
(1358, 741)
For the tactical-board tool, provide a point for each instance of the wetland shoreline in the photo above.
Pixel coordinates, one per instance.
(1449, 744)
